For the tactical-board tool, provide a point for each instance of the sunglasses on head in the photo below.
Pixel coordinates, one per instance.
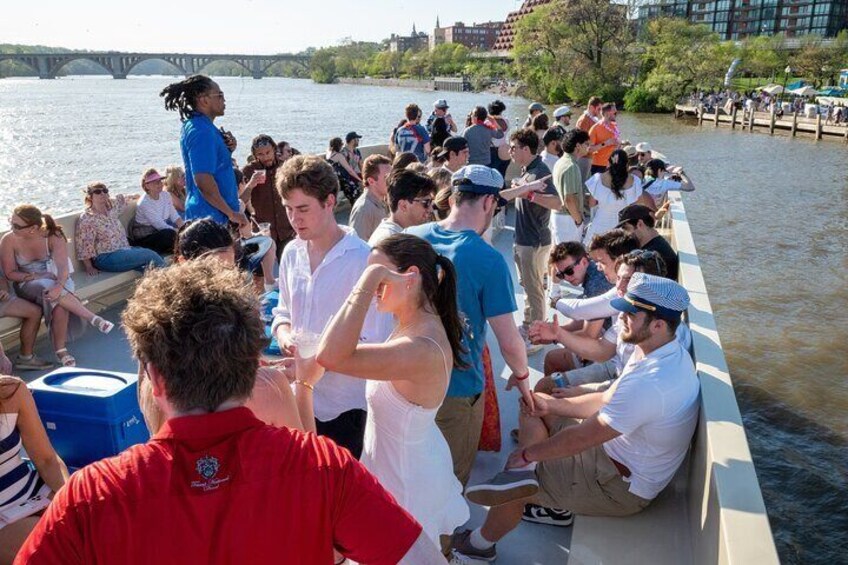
(568, 271)
(99, 191)
(647, 255)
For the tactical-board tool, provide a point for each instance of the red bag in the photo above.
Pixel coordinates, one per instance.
(490, 437)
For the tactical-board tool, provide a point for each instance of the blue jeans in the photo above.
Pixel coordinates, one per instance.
(137, 258)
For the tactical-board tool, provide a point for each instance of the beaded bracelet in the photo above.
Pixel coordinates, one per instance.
(306, 384)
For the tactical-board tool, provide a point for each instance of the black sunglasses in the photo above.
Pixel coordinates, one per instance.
(647, 255)
(568, 271)
(99, 191)
(18, 227)
(426, 202)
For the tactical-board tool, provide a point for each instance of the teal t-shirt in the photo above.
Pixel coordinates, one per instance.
(484, 290)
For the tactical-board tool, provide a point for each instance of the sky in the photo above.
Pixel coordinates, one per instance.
(248, 27)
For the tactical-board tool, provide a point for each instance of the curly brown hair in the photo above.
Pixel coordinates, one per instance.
(309, 173)
(199, 325)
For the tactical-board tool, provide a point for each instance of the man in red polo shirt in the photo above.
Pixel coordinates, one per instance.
(215, 484)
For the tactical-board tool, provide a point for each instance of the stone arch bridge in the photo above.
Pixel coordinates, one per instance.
(48, 65)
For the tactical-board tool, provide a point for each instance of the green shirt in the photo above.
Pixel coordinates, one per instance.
(568, 180)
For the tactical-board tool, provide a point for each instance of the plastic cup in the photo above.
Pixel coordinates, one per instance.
(262, 175)
(307, 344)
(264, 229)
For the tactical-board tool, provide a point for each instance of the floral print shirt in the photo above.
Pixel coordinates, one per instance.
(97, 234)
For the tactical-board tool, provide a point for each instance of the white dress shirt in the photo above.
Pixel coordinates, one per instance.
(309, 300)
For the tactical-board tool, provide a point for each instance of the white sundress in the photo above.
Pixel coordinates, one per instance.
(408, 454)
(606, 212)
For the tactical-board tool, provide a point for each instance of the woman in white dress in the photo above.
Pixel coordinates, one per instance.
(611, 191)
(408, 376)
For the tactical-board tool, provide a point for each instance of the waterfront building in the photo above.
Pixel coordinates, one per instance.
(401, 43)
(506, 35)
(738, 19)
(476, 36)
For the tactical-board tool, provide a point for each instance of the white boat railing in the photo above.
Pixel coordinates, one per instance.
(727, 515)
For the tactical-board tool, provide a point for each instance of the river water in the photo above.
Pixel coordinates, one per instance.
(769, 219)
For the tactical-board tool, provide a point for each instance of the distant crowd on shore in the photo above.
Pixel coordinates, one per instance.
(762, 101)
(358, 441)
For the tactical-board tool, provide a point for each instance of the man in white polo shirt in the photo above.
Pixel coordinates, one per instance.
(602, 453)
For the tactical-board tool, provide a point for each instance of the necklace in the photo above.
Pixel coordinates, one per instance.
(614, 131)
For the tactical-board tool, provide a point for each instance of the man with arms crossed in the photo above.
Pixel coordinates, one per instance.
(317, 272)
(211, 188)
(215, 484)
(371, 208)
(485, 294)
(602, 453)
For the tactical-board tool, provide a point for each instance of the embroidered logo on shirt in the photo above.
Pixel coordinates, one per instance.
(207, 467)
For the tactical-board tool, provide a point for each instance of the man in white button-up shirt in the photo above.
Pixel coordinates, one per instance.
(318, 270)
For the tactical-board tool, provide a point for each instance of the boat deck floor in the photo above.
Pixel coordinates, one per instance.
(658, 535)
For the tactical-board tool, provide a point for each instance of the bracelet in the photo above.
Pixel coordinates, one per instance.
(524, 378)
(354, 303)
(306, 384)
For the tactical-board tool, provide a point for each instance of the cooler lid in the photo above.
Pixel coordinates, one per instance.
(87, 382)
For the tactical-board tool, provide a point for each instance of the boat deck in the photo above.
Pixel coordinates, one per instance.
(658, 535)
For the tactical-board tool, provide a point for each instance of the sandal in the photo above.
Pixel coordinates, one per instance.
(65, 358)
(104, 326)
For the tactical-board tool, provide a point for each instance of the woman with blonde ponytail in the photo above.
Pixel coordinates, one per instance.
(407, 375)
(34, 256)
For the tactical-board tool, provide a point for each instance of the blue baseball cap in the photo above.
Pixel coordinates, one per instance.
(479, 179)
(649, 293)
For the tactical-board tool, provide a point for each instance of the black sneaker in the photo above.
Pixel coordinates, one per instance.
(549, 516)
(461, 544)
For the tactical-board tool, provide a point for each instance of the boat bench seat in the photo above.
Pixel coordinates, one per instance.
(658, 534)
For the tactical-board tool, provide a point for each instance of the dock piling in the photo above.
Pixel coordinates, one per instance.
(794, 122)
(733, 117)
(715, 117)
(772, 118)
(818, 126)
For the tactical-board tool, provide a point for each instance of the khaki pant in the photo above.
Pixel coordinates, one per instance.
(531, 263)
(461, 421)
(586, 483)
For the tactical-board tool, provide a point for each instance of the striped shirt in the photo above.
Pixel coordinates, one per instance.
(18, 481)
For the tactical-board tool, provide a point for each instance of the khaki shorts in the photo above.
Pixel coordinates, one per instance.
(587, 483)
(460, 419)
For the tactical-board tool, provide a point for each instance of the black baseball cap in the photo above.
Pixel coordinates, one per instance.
(352, 135)
(453, 145)
(632, 214)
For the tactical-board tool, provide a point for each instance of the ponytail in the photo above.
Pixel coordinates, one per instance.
(445, 303)
(618, 172)
(49, 224)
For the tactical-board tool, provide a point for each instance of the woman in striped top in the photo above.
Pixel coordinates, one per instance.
(21, 425)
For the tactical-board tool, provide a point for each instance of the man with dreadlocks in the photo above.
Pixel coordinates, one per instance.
(211, 189)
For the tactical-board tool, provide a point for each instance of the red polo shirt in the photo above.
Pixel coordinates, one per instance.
(223, 488)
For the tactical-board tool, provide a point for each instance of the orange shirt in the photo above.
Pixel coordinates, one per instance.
(599, 134)
(585, 122)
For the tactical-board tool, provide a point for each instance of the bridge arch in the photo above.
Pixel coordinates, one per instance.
(30, 62)
(172, 61)
(62, 62)
(205, 61)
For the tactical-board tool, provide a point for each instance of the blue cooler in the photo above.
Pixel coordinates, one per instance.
(89, 414)
(268, 303)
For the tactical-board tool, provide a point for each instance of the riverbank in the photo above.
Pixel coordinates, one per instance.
(446, 84)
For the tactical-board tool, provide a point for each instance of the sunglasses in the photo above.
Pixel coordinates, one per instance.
(99, 191)
(647, 255)
(426, 202)
(568, 271)
(18, 227)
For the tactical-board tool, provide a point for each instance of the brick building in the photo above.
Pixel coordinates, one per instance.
(506, 36)
(476, 36)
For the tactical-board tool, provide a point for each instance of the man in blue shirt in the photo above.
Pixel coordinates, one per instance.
(485, 294)
(412, 136)
(211, 188)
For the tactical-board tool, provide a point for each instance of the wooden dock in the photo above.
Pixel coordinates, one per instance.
(746, 120)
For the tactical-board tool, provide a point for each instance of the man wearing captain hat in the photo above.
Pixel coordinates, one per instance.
(440, 124)
(486, 297)
(562, 118)
(602, 453)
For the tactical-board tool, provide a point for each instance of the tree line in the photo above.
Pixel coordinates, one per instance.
(572, 50)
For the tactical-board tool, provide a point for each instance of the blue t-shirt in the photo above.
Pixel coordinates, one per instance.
(412, 138)
(204, 151)
(484, 290)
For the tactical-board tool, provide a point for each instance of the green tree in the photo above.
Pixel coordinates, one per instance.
(323, 66)
(816, 62)
(762, 56)
(681, 57)
(573, 49)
